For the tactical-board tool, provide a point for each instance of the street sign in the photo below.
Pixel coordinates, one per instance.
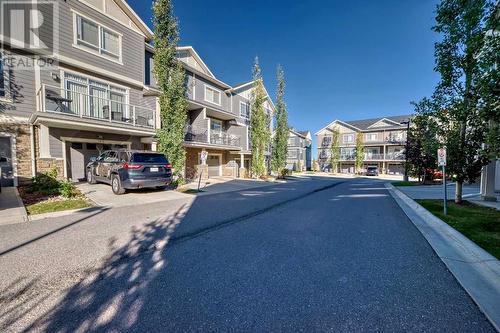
(442, 156)
(204, 156)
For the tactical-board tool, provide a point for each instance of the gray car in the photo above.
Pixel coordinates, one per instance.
(129, 169)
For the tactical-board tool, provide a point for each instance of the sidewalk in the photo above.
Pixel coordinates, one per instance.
(11, 207)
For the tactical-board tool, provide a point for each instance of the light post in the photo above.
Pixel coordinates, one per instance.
(407, 123)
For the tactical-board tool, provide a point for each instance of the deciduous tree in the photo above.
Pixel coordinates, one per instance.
(280, 141)
(169, 75)
(360, 152)
(260, 132)
(335, 150)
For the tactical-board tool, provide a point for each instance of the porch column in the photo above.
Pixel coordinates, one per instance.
(488, 182)
(154, 146)
(242, 166)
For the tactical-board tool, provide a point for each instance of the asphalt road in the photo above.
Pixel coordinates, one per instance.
(312, 255)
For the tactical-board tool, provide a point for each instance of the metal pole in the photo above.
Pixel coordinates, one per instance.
(199, 180)
(445, 203)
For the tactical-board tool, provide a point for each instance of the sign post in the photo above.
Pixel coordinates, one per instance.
(203, 157)
(442, 163)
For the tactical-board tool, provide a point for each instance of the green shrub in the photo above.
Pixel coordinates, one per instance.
(45, 183)
(67, 189)
(285, 172)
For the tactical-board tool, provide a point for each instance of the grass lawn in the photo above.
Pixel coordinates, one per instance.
(406, 183)
(189, 190)
(479, 224)
(56, 206)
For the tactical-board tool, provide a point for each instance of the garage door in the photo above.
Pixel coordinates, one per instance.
(79, 155)
(7, 176)
(213, 162)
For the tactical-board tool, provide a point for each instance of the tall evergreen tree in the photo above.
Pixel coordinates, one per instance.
(259, 122)
(169, 74)
(280, 141)
(360, 153)
(335, 150)
(462, 130)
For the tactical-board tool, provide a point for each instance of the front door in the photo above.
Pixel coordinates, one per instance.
(7, 176)
(214, 163)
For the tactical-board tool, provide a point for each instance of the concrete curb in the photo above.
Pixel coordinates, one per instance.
(43, 216)
(477, 271)
(21, 204)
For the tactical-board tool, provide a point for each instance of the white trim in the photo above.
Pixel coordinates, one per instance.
(103, 12)
(336, 121)
(93, 127)
(44, 142)
(13, 151)
(196, 57)
(382, 120)
(214, 89)
(244, 103)
(100, 28)
(32, 152)
(102, 141)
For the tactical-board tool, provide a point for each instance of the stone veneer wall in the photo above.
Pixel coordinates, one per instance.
(21, 132)
(47, 164)
(193, 168)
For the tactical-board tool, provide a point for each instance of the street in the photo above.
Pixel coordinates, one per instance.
(314, 254)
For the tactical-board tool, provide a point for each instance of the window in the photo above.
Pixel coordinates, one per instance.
(97, 39)
(96, 99)
(215, 126)
(76, 145)
(245, 110)
(91, 146)
(371, 136)
(212, 95)
(348, 138)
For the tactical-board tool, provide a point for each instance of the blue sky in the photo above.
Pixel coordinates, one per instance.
(342, 59)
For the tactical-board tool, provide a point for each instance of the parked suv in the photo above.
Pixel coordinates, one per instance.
(128, 169)
(372, 171)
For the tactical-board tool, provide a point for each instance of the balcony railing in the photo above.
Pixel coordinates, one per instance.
(79, 104)
(367, 157)
(199, 134)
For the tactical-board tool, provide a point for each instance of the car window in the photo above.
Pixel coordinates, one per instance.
(123, 156)
(149, 158)
(102, 156)
(111, 157)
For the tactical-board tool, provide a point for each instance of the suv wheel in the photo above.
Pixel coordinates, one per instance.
(90, 177)
(116, 185)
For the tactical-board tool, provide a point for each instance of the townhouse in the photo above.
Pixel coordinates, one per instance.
(384, 142)
(299, 153)
(93, 97)
(218, 121)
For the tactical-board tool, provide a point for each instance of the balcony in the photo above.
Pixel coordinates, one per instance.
(373, 157)
(200, 135)
(81, 105)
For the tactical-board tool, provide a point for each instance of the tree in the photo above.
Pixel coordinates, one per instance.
(360, 152)
(335, 150)
(280, 142)
(422, 142)
(456, 98)
(489, 82)
(169, 74)
(260, 133)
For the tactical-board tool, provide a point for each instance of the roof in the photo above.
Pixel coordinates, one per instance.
(135, 18)
(302, 134)
(367, 124)
(195, 55)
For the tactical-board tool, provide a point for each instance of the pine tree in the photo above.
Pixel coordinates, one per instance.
(335, 150)
(260, 133)
(280, 141)
(169, 74)
(360, 152)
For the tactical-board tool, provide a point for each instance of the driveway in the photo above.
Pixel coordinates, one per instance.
(103, 196)
(318, 254)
